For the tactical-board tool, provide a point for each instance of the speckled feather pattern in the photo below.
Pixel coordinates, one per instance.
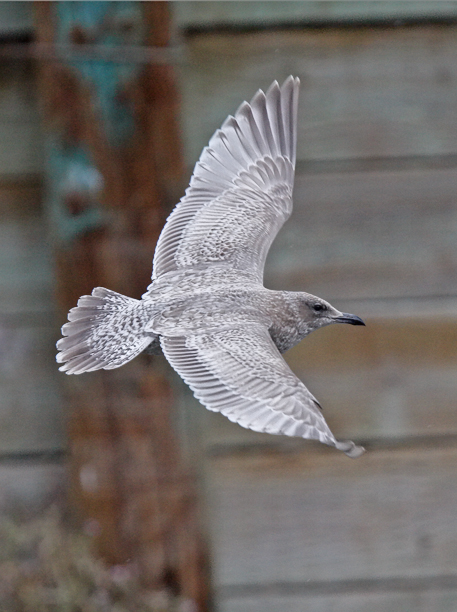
(218, 327)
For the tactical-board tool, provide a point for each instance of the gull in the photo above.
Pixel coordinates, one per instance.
(207, 309)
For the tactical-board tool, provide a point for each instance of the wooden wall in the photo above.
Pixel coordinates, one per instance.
(222, 13)
(374, 230)
(374, 223)
(32, 436)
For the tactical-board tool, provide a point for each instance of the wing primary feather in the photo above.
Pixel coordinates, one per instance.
(260, 114)
(274, 111)
(249, 147)
(246, 116)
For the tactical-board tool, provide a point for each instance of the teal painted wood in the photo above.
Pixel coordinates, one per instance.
(72, 179)
(74, 182)
(112, 24)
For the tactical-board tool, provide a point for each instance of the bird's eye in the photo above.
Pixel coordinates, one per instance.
(319, 307)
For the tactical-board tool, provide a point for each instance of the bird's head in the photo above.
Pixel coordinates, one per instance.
(316, 312)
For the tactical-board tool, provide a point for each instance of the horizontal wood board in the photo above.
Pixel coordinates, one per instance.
(317, 521)
(27, 486)
(31, 417)
(235, 14)
(424, 600)
(370, 235)
(366, 92)
(21, 142)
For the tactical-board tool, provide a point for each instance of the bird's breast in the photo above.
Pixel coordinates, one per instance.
(285, 337)
(287, 327)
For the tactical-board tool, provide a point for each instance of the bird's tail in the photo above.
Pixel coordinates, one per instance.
(105, 330)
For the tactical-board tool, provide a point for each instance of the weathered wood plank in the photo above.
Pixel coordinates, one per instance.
(21, 146)
(31, 417)
(16, 18)
(365, 92)
(251, 14)
(26, 274)
(317, 517)
(418, 601)
(29, 486)
(115, 124)
(369, 234)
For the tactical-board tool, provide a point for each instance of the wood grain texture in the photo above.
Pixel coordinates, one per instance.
(249, 14)
(116, 120)
(366, 93)
(27, 487)
(31, 418)
(21, 144)
(439, 600)
(370, 235)
(314, 517)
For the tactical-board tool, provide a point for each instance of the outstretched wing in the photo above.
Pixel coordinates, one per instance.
(241, 191)
(239, 372)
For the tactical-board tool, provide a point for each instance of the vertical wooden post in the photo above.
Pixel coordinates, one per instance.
(113, 159)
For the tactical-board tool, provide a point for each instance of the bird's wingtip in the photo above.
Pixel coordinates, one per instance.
(350, 449)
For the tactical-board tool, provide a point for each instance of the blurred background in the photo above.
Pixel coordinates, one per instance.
(118, 491)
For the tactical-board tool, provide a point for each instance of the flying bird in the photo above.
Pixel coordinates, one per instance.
(206, 308)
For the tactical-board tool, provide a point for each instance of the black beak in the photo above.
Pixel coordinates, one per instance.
(349, 318)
